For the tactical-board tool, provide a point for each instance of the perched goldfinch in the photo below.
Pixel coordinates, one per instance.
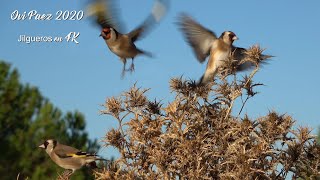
(205, 43)
(123, 44)
(68, 157)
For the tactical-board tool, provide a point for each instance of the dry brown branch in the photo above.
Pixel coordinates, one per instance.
(65, 175)
(195, 136)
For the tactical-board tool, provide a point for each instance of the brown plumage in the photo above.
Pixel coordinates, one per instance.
(119, 43)
(205, 43)
(68, 157)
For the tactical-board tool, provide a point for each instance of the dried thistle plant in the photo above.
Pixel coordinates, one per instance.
(196, 136)
(65, 175)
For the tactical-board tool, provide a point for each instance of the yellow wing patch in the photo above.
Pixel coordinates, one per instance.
(77, 156)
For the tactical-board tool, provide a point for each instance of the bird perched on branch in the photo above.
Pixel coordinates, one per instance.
(119, 43)
(206, 43)
(68, 157)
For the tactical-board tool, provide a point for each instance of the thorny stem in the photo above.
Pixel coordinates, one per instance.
(229, 109)
(232, 102)
(120, 124)
(252, 74)
(122, 131)
(243, 104)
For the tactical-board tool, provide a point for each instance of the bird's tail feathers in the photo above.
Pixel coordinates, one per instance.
(102, 159)
(245, 66)
(146, 53)
(92, 157)
(250, 65)
(263, 56)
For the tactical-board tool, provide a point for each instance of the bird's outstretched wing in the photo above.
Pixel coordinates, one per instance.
(160, 8)
(240, 54)
(198, 37)
(106, 14)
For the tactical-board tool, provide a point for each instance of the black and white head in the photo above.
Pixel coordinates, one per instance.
(49, 145)
(229, 37)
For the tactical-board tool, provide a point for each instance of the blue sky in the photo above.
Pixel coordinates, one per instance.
(81, 76)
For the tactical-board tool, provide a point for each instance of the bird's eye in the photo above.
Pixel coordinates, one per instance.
(46, 143)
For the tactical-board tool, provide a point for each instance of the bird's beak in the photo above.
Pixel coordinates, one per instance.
(235, 38)
(42, 146)
(100, 35)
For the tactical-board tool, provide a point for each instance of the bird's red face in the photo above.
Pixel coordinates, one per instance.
(105, 33)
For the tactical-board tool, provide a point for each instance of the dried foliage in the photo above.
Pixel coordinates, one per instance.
(65, 175)
(197, 137)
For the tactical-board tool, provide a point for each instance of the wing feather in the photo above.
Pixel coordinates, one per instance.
(159, 10)
(64, 151)
(197, 36)
(106, 14)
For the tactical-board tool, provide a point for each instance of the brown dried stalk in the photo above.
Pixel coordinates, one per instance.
(196, 137)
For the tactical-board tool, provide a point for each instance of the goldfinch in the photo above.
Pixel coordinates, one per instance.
(206, 43)
(123, 44)
(68, 157)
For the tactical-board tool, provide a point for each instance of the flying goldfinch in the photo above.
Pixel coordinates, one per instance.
(206, 43)
(119, 43)
(68, 157)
